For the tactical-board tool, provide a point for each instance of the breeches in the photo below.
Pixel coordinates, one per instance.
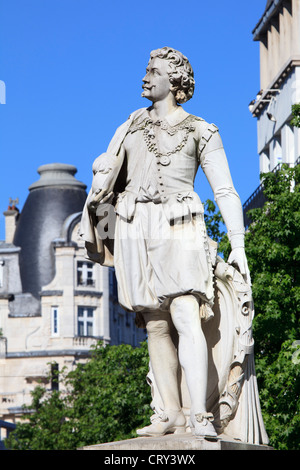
(156, 261)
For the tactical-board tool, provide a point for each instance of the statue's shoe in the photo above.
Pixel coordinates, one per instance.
(202, 426)
(168, 422)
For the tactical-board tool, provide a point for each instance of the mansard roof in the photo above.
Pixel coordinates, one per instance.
(53, 198)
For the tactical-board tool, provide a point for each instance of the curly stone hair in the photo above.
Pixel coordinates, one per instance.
(181, 73)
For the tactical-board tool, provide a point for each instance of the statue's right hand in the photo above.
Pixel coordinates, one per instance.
(238, 259)
(100, 196)
(93, 200)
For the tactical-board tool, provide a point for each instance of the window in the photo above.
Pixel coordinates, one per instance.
(288, 144)
(277, 152)
(264, 161)
(120, 328)
(133, 332)
(1, 272)
(54, 321)
(85, 321)
(54, 376)
(113, 286)
(85, 273)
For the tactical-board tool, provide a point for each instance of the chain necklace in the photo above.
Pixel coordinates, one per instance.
(150, 140)
(147, 125)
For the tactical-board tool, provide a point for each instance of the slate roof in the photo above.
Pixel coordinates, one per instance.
(53, 198)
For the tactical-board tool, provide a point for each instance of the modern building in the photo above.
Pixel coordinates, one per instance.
(54, 303)
(278, 34)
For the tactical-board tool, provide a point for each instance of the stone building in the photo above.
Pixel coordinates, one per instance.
(54, 303)
(278, 34)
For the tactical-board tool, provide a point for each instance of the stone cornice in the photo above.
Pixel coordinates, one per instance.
(258, 105)
(263, 24)
(50, 353)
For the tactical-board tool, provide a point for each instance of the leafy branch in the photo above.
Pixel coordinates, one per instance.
(296, 115)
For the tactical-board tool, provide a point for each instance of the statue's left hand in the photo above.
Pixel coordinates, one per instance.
(237, 259)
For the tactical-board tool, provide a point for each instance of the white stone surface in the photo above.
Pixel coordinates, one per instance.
(184, 442)
(166, 265)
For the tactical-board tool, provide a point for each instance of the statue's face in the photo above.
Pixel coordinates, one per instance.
(156, 83)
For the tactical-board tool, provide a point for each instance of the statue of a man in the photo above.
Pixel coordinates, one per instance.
(162, 255)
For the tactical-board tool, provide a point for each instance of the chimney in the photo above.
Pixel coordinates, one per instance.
(11, 216)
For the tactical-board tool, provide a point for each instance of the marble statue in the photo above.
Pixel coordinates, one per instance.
(143, 217)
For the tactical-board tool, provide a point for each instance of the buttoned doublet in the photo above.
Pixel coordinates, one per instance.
(161, 248)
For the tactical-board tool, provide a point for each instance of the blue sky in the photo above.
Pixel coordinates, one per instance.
(72, 71)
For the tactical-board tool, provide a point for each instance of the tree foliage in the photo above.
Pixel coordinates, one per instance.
(273, 252)
(296, 115)
(213, 221)
(104, 400)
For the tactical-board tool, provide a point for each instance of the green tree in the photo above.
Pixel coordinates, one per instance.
(110, 396)
(103, 400)
(213, 221)
(46, 428)
(296, 115)
(273, 252)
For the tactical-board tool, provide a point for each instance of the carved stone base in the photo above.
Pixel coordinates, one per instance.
(178, 442)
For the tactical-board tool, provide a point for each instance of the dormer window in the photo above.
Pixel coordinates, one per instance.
(85, 274)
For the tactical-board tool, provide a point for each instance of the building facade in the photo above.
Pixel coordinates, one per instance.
(278, 34)
(54, 303)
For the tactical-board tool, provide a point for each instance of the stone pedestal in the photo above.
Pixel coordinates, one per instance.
(178, 442)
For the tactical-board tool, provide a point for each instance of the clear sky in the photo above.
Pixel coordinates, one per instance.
(73, 72)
